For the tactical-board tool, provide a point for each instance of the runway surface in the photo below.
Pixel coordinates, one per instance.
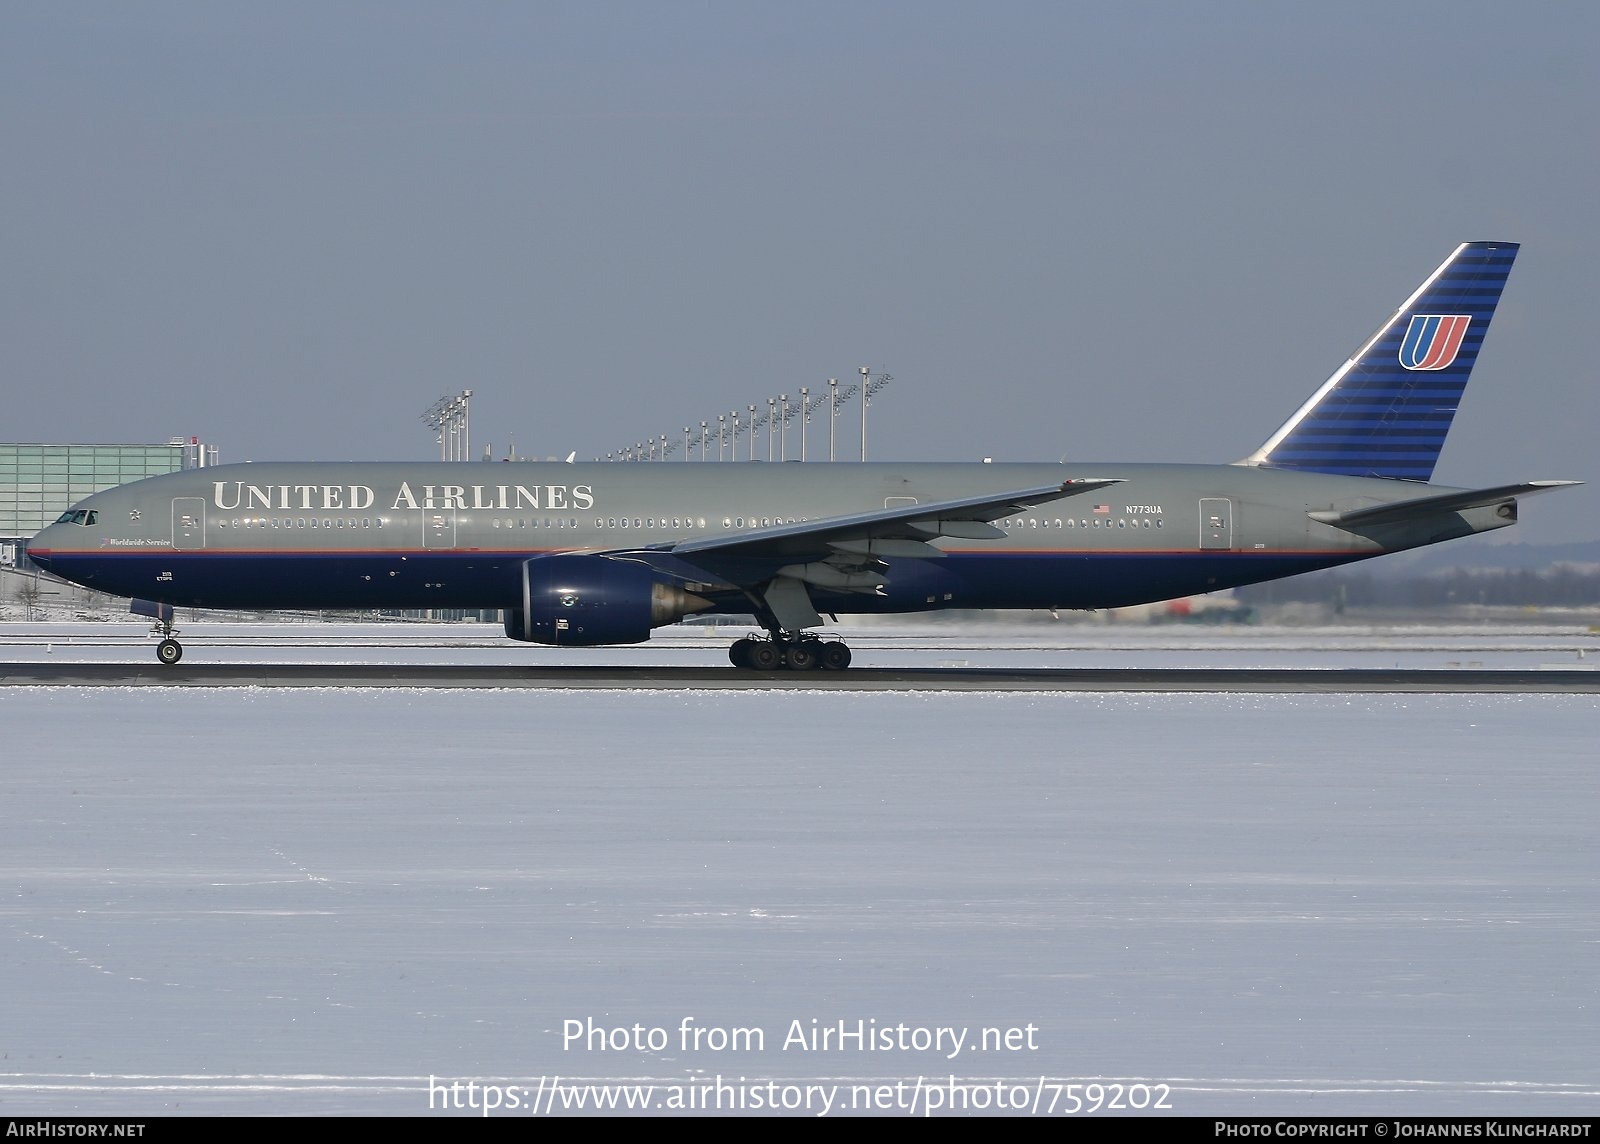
(567, 678)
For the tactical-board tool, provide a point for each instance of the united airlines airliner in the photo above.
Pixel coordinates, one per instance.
(593, 554)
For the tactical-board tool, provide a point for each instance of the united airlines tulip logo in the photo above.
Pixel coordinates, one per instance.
(1433, 340)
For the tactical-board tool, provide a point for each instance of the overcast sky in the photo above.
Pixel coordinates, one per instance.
(1107, 231)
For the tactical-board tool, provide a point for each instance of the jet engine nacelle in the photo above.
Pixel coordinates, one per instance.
(581, 601)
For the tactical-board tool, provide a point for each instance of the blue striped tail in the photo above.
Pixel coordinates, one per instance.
(1386, 411)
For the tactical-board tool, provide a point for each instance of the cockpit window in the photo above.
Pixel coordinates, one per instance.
(78, 516)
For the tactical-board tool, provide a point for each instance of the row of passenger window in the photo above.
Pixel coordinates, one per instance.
(533, 522)
(679, 522)
(674, 522)
(1015, 523)
(1021, 522)
(301, 522)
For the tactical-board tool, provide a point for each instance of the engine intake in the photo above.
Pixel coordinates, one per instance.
(584, 601)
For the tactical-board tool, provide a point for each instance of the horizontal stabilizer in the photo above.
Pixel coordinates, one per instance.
(1431, 506)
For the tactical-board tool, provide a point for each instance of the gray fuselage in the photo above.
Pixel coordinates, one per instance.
(419, 535)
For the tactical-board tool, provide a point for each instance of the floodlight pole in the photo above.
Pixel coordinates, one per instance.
(805, 417)
(838, 397)
(866, 403)
(757, 420)
(808, 406)
(833, 414)
(450, 417)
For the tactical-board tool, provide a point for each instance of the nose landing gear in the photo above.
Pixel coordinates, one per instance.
(169, 651)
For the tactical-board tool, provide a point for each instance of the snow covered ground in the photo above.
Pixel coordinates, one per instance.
(312, 901)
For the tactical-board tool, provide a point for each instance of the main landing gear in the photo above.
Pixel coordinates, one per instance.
(789, 651)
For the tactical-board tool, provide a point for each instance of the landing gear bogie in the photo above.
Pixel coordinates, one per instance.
(802, 652)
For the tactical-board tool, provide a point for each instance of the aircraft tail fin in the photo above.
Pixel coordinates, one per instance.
(1385, 412)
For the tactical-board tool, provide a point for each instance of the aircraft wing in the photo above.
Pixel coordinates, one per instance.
(846, 553)
(775, 567)
(900, 531)
(1420, 507)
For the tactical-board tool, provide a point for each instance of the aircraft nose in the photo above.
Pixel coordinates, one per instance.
(38, 549)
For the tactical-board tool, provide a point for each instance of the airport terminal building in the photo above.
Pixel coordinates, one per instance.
(39, 482)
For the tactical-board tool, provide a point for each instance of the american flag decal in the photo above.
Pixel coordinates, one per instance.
(1102, 510)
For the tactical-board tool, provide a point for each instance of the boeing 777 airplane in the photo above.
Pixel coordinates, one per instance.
(602, 553)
